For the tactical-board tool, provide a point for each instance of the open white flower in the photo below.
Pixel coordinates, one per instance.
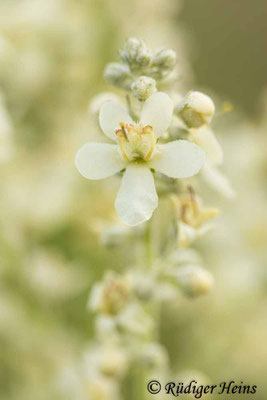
(137, 151)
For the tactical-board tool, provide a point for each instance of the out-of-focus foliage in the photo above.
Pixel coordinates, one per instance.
(52, 57)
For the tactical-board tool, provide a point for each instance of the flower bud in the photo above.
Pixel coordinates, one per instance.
(194, 280)
(107, 359)
(165, 59)
(111, 295)
(143, 87)
(135, 321)
(100, 388)
(136, 54)
(143, 284)
(196, 110)
(118, 75)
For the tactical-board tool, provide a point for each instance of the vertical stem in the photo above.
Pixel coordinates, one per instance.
(148, 244)
(130, 108)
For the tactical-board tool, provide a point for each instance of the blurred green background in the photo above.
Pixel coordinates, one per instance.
(229, 42)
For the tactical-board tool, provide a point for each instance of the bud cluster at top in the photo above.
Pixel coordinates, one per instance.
(140, 69)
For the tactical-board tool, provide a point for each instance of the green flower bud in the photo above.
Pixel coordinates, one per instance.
(119, 75)
(197, 109)
(165, 59)
(136, 54)
(143, 87)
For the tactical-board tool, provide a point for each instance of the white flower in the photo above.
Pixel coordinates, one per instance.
(136, 151)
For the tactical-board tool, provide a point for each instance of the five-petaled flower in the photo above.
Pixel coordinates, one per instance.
(137, 152)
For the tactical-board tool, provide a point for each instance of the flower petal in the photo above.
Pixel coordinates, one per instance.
(99, 160)
(206, 139)
(137, 197)
(157, 112)
(110, 116)
(178, 159)
(217, 180)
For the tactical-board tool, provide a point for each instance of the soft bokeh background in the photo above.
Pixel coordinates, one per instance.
(52, 56)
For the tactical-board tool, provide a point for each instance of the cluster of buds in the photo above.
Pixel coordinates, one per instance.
(136, 54)
(139, 69)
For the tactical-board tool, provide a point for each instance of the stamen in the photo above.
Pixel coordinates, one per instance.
(135, 141)
(123, 130)
(193, 200)
(149, 130)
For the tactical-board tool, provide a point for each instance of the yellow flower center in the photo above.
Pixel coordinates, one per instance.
(136, 142)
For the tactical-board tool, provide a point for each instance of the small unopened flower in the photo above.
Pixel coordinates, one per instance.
(118, 74)
(143, 87)
(111, 295)
(136, 54)
(164, 59)
(137, 152)
(143, 284)
(196, 109)
(101, 388)
(194, 280)
(135, 321)
(106, 359)
(154, 356)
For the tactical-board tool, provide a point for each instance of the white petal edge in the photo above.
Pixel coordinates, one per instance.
(157, 112)
(205, 138)
(110, 116)
(137, 197)
(99, 160)
(178, 159)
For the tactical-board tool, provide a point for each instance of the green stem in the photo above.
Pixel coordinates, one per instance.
(148, 244)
